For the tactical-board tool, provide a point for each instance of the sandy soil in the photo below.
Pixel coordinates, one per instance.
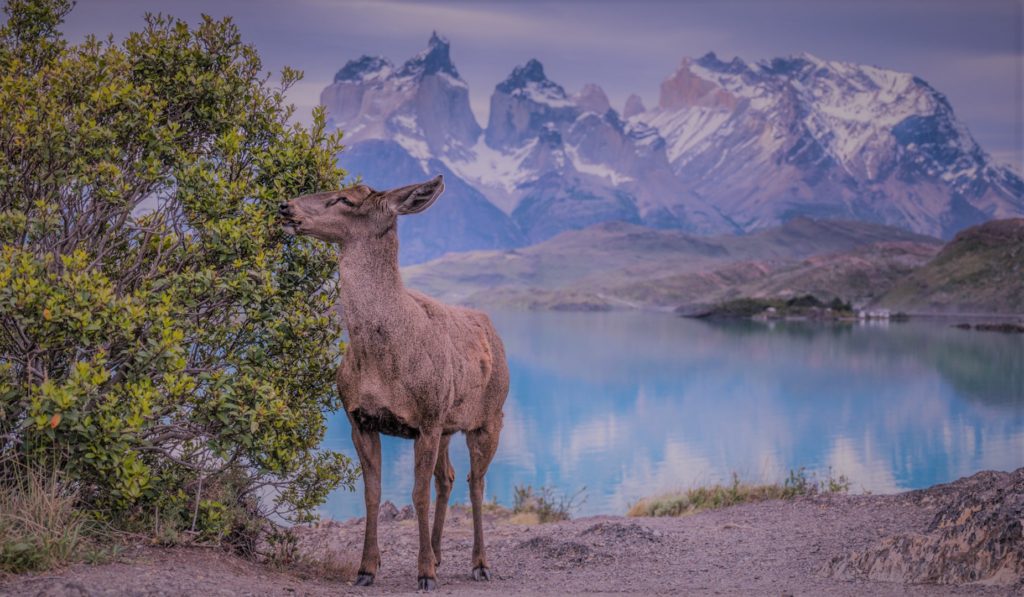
(770, 548)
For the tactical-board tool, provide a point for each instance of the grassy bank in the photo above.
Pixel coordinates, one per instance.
(712, 497)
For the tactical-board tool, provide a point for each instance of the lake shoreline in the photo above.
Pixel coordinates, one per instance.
(632, 404)
(826, 544)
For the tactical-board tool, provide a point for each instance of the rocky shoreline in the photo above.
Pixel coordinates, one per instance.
(964, 537)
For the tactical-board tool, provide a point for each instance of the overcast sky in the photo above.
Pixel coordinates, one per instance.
(971, 50)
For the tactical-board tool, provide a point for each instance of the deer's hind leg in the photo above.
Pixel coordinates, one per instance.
(367, 445)
(444, 477)
(482, 443)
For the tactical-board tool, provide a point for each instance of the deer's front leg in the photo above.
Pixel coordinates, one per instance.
(425, 449)
(367, 445)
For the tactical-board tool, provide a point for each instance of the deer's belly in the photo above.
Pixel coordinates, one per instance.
(384, 421)
(373, 406)
(372, 412)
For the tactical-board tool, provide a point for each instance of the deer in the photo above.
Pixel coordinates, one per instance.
(414, 367)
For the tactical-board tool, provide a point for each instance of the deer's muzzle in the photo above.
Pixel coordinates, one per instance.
(290, 225)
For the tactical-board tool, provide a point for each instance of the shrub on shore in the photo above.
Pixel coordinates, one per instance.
(717, 496)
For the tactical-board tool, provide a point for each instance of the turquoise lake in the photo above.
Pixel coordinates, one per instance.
(631, 404)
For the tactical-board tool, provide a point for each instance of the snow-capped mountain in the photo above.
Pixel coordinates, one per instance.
(730, 147)
(401, 124)
(424, 104)
(802, 135)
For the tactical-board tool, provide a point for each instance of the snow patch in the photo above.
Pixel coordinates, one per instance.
(452, 81)
(599, 170)
(685, 129)
(543, 94)
(492, 167)
(417, 148)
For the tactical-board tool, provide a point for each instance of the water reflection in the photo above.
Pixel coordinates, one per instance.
(633, 404)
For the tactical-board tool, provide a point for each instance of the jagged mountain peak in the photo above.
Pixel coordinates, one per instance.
(711, 61)
(364, 68)
(436, 58)
(691, 86)
(529, 75)
(423, 105)
(523, 104)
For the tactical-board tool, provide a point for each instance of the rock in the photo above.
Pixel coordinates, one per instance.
(388, 511)
(976, 536)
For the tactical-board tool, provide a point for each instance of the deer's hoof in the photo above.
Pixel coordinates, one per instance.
(427, 584)
(364, 579)
(481, 573)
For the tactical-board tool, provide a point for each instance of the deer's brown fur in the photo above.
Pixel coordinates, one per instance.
(414, 368)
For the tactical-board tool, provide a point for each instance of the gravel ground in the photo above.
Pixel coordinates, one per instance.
(769, 548)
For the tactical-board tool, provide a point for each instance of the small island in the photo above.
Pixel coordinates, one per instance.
(801, 308)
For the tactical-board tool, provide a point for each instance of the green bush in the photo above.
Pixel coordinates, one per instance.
(162, 341)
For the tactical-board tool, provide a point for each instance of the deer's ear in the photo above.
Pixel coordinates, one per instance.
(415, 198)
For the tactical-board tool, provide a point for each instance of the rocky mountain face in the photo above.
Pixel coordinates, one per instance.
(730, 148)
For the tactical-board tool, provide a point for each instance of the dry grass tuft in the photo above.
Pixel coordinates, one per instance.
(310, 561)
(39, 525)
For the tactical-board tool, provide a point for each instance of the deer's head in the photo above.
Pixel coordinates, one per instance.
(358, 212)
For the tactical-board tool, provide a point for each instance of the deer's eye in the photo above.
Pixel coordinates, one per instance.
(342, 199)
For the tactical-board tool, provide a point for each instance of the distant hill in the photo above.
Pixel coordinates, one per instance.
(620, 265)
(859, 275)
(980, 271)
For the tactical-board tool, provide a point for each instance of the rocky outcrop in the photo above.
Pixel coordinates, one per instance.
(977, 536)
(686, 89)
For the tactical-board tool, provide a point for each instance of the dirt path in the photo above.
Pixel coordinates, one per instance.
(770, 548)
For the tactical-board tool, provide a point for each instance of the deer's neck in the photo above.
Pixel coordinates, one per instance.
(370, 288)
